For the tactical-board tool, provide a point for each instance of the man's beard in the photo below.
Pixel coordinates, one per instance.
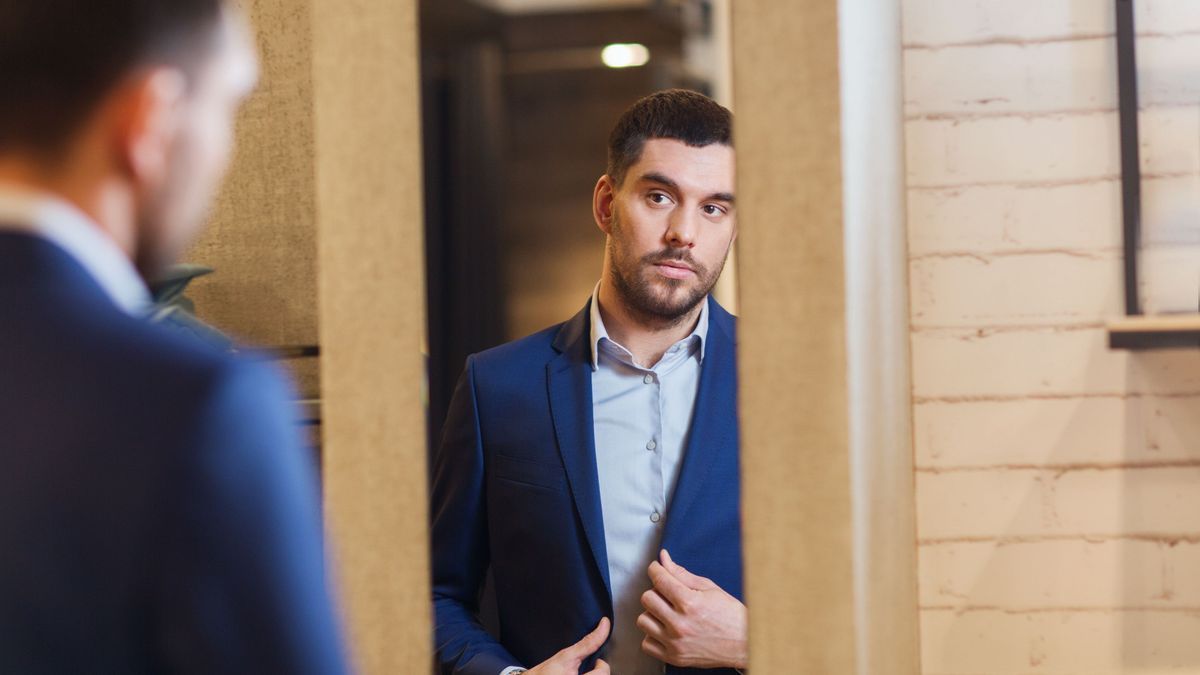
(170, 217)
(650, 295)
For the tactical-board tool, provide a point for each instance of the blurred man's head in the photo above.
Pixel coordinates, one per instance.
(125, 107)
(666, 203)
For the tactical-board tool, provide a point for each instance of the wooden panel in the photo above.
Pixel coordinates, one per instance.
(369, 220)
(262, 238)
(826, 419)
(792, 341)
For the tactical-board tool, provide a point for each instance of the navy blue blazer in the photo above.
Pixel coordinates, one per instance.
(157, 510)
(515, 489)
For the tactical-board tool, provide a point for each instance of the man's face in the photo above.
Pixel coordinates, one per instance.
(671, 226)
(172, 210)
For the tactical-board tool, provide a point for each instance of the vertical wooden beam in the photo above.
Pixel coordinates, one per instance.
(826, 448)
(371, 285)
(792, 340)
(877, 333)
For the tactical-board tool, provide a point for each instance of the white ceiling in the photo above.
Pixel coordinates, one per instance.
(534, 6)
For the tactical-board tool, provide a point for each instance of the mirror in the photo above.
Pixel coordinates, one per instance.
(561, 465)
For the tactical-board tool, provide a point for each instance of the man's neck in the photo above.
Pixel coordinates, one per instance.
(107, 206)
(646, 338)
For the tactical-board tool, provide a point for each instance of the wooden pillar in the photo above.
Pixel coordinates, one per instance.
(823, 342)
(371, 285)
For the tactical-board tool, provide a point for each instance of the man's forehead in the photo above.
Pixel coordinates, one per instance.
(708, 168)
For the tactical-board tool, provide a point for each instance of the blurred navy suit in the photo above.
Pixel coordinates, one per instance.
(157, 510)
(516, 490)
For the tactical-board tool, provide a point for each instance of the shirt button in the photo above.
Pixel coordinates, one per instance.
(648, 379)
(651, 445)
(655, 517)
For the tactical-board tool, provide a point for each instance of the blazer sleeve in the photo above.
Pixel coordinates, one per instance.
(242, 587)
(459, 539)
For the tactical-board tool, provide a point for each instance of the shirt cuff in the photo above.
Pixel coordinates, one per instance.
(512, 670)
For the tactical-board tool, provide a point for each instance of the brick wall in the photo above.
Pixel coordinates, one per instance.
(1058, 482)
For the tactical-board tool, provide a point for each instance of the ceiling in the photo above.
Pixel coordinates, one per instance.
(541, 6)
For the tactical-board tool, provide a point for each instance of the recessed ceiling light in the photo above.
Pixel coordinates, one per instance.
(625, 55)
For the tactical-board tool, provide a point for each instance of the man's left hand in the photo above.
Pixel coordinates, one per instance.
(690, 621)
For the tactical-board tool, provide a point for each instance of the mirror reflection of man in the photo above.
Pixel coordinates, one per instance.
(158, 513)
(592, 467)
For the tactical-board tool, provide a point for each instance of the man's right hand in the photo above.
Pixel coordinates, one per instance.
(568, 661)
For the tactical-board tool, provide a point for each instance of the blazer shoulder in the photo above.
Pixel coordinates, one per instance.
(530, 351)
(154, 363)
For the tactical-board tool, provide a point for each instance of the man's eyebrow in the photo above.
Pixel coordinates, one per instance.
(655, 177)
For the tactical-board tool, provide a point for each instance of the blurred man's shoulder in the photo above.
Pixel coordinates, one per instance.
(146, 360)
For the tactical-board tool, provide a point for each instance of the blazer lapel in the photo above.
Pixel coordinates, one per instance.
(569, 379)
(713, 431)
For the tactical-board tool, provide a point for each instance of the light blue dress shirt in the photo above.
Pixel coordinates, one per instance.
(642, 416)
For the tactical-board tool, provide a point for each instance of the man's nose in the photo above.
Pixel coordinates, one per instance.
(681, 230)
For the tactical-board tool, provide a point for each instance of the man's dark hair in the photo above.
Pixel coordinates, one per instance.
(59, 58)
(676, 114)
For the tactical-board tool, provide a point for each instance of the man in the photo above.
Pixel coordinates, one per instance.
(156, 512)
(592, 467)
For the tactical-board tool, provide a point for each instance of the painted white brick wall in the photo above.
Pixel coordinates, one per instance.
(1058, 482)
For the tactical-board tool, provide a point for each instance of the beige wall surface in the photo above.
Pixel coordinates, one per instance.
(262, 237)
(370, 224)
(1058, 481)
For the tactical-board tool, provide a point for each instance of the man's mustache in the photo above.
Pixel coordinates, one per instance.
(675, 257)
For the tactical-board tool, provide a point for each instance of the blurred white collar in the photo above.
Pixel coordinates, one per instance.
(53, 219)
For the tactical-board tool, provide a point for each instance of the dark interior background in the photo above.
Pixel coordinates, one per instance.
(517, 110)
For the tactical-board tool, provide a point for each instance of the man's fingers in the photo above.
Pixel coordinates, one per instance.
(654, 648)
(692, 581)
(669, 585)
(590, 642)
(600, 669)
(651, 626)
(658, 607)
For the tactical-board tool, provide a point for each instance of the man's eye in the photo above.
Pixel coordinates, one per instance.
(713, 210)
(658, 198)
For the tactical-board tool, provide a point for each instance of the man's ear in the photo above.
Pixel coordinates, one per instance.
(602, 204)
(147, 114)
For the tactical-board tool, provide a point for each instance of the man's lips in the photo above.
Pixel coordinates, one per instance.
(674, 270)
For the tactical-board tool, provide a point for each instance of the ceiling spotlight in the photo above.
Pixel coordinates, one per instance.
(624, 55)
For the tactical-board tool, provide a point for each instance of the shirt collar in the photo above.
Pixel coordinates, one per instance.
(53, 219)
(598, 331)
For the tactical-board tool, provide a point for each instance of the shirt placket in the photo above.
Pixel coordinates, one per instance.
(654, 445)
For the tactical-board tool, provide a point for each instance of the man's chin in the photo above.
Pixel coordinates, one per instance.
(674, 304)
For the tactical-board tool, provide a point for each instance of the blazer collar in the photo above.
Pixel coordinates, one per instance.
(569, 385)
